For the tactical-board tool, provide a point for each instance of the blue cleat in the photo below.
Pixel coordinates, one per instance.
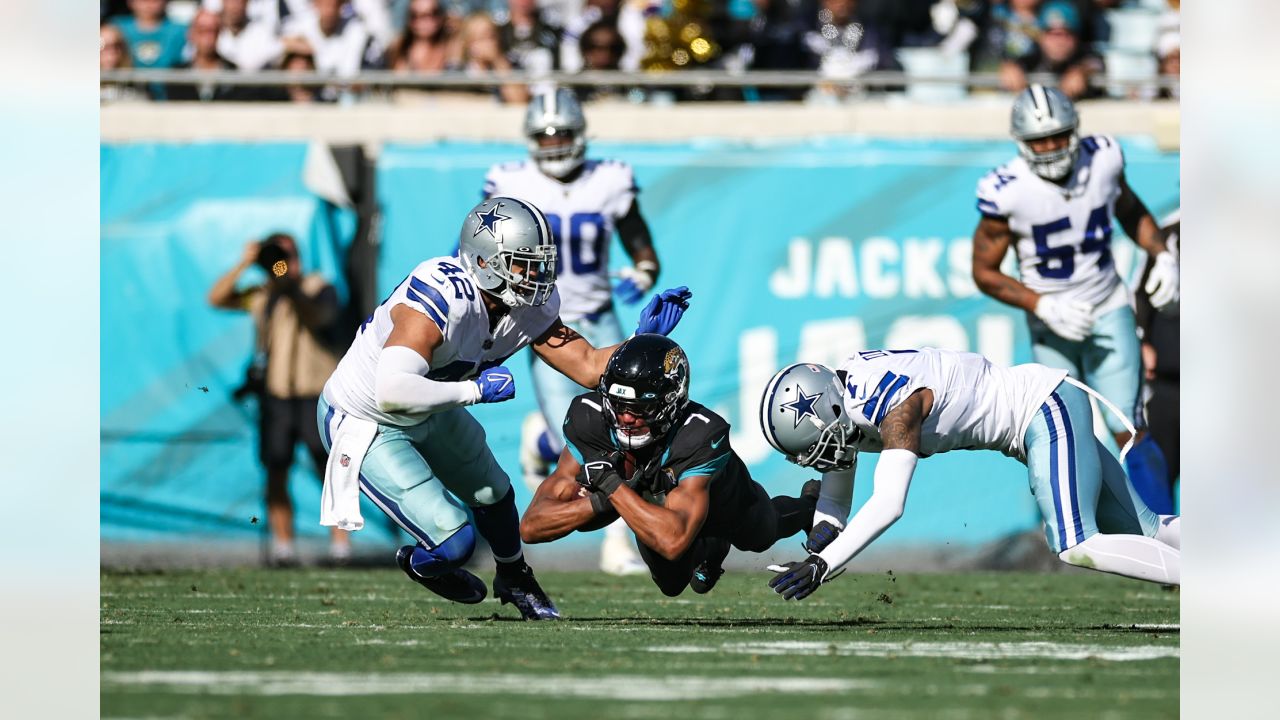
(520, 588)
(457, 585)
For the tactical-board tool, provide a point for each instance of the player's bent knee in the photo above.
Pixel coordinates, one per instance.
(671, 589)
(448, 556)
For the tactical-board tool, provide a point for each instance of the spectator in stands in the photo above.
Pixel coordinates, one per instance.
(427, 44)
(113, 54)
(1058, 51)
(294, 314)
(248, 45)
(530, 42)
(629, 20)
(339, 42)
(202, 38)
(844, 44)
(771, 39)
(1169, 52)
(1010, 35)
(601, 48)
(482, 55)
(154, 40)
(300, 63)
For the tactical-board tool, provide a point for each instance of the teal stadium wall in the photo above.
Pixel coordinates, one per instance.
(801, 250)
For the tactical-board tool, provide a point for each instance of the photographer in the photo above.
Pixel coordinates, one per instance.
(293, 314)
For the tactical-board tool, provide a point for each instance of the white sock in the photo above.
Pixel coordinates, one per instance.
(282, 550)
(616, 531)
(1134, 556)
(1170, 531)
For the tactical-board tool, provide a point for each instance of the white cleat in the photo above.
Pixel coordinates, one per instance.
(618, 557)
(533, 468)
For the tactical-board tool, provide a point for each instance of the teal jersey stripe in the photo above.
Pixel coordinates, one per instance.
(708, 468)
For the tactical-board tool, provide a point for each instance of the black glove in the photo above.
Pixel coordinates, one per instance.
(600, 503)
(798, 580)
(601, 476)
(820, 537)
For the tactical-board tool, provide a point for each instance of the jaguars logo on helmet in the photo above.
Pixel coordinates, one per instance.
(647, 377)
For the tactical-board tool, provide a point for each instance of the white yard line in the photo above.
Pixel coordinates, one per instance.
(960, 650)
(621, 687)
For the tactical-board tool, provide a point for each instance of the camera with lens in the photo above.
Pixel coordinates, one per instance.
(273, 257)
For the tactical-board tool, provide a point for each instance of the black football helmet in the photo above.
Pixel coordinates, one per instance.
(648, 377)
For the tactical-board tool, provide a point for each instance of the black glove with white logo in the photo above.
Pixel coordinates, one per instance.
(798, 580)
(601, 476)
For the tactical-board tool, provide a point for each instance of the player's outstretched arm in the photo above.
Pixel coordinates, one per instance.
(573, 355)
(668, 529)
(1161, 279)
(560, 506)
(637, 240)
(400, 381)
(991, 240)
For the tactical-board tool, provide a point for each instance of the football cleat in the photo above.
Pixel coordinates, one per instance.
(709, 570)
(456, 585)
(520, 588)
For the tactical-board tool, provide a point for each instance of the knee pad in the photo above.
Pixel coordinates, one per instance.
(448, 556)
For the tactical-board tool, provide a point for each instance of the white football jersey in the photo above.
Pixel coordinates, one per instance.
(1062, 234)
(582, 215)
(976, 405)
(440, 289)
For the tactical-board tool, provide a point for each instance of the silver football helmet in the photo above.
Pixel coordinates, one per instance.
(802, 414)
(506, 246)
(555, 114)
(1040, 112)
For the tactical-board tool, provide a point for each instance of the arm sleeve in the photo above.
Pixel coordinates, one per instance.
(836, 499)
(400, 385)
(892, 479)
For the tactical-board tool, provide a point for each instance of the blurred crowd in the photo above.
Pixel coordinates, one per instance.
(1071, 39)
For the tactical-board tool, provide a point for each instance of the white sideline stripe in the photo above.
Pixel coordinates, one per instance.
(618, 687)
(961, 650)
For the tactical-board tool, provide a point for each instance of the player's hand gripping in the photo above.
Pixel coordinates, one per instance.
(1162, 281)
(664, 311)
(798, 580)
(1069, 319)
(636, 281)
(496, 384)
(821, 536)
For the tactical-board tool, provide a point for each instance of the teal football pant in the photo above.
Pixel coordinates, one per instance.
(424, 476)
(1078, 484)
(1109, 361)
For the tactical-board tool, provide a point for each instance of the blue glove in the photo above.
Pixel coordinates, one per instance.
(798, 580)
(496, 384)
(628, 291)
(664, 311)
(820, 537)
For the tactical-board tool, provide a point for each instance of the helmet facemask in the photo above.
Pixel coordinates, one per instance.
(659, 415)
(1053, 165)
(834, 449)
(561, 159)
(528, 275)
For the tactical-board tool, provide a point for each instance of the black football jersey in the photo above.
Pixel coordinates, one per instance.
(698, 445)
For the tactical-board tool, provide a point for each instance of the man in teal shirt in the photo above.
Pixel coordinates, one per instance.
(154, 40)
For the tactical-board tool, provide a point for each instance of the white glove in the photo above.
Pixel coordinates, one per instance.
(1162, 281)
(641, 274)
(1069, 319)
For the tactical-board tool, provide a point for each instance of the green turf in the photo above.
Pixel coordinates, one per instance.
(370, 644)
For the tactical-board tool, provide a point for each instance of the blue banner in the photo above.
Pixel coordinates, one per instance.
(795, 251)
(798, 250)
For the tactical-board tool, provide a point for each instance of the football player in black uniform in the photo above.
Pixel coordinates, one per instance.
(638, 448)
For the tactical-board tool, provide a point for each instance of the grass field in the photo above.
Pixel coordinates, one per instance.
(371, 644)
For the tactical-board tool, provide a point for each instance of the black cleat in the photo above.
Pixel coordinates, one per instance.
(709, 570)
(457, 585)
(520, 588)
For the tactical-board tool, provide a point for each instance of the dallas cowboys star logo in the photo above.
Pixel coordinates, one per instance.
(802, 406)
(489, 221)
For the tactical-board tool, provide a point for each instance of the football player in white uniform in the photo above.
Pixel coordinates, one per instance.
(1054, 203)
(393, 414)
(908, 404)
(586, 201)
